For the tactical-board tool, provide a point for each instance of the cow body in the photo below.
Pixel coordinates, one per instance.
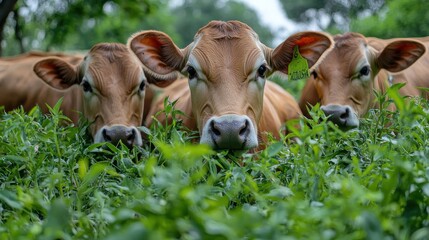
(343, 83)
(415, 76)
(226, 66)
(107, 86)
(20, 86)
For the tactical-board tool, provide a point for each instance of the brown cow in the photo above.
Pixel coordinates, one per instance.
(20, 86)
(227, 67)
(107, 86)
(344, 81)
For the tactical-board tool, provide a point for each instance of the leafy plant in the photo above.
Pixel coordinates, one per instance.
(317, 182)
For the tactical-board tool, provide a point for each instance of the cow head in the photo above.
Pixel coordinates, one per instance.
(227, 67)
(113, 89)
(344, 81)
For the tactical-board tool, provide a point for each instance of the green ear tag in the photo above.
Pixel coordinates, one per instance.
(298, 67)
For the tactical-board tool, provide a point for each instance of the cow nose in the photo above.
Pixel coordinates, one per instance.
(229, 133)
(342, 115)
(117, 133)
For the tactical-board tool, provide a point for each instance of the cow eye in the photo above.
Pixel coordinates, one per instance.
(262, 70)
(364, 71)
(192, 73)
(314, 74)
(86, 86)
(142, 85)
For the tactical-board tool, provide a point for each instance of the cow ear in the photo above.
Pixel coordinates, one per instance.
(56, 73)
(313, 46)
(161, 58)
(399, 55)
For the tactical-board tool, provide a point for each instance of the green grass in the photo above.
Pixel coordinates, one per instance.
(370, 183)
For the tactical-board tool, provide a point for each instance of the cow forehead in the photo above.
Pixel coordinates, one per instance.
(350, 44)
(221, 30)
(348, 40)
(111, 63)
(349, 53)
(226, 46)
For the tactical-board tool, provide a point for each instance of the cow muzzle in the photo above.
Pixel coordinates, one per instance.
(130, 136)
(342, 115)
(232, 132)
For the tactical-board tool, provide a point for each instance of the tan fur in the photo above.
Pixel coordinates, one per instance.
(115, 78)
(415, 76)
(20, 86)
(116, 75)
(279, 107)
(335, 83)
(226, 57)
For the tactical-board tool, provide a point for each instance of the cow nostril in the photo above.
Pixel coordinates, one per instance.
(243, 130)
(345, 114)
(106, 135)
(131, 135)
(214, 129)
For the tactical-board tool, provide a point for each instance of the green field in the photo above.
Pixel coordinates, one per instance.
(317, 183)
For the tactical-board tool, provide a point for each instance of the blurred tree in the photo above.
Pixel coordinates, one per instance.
(400, 18)
(78, 24)
(119, 20)
(328, 14)
(191, 15)
(74, 24)
(6, 8)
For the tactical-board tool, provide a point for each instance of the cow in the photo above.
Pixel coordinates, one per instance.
(107, 86)
(226, 67)
(344, 82)
(20, 86)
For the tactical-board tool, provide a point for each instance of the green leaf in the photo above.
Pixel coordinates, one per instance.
(393, 93)
(83, 167)
(274, 149)
(14, 159)
(144, 130)
(280, 192)
(134, 231)
(94, 172)
(58, 220)
(10, 199)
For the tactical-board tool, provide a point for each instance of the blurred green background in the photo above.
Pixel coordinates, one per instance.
(59, 25)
